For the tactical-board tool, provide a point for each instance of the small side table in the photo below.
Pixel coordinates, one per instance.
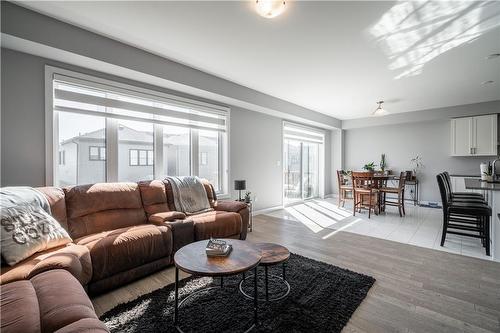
(413, 192)
(250, 214)
(272, 254)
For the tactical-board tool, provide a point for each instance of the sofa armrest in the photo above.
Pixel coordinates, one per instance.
(160, 218)
(182, 232)
(73, 258)
(236, 207)
(230, 206)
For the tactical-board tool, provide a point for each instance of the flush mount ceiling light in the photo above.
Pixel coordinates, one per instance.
(487, 82)
(380, 111)
(269, 8)
(493, 56)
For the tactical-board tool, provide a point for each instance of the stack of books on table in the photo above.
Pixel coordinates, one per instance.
(218, 248)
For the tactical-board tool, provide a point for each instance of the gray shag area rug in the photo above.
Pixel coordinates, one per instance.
(322, 299)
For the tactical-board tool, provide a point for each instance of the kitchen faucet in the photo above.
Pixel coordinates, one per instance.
(494, 171)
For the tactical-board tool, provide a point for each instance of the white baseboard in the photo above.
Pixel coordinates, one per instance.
(266, 210)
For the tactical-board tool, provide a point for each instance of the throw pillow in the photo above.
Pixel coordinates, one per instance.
(28, 230)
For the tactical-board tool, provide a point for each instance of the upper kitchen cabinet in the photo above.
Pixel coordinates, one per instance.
(474, 136)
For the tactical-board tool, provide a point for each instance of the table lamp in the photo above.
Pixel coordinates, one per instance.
(240, 185)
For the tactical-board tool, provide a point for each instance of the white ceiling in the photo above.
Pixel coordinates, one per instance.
(337, 58)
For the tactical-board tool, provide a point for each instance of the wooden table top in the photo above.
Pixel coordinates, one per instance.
(193, 259)
(272, 253)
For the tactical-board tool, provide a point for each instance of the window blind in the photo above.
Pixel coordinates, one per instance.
(302, 133)
(85, 97)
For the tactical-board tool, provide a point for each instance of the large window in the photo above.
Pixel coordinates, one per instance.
(107, 131)
(302, 153)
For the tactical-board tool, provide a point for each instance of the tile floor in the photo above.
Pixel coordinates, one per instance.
(421, 226)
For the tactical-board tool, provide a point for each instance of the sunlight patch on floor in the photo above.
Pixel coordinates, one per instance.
(341, 228)
(321, 219)
(334, 208)
(314, 227)
(330, 213)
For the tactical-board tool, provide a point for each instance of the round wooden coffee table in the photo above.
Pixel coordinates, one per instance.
(193, 259)
(272, 254)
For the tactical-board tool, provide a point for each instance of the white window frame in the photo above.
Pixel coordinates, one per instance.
(52, 135)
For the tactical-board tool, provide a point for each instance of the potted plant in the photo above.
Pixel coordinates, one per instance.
(248, 197)
(383, 163)
(416, 164)
(369, 166)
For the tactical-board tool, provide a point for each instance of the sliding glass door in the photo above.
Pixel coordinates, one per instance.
(301, 169)
(310, 168)
(293, 170)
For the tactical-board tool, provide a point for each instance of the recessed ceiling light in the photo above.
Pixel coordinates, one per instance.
(493, 56)
(487, 82)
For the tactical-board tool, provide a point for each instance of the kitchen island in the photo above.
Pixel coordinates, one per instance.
(492, 194)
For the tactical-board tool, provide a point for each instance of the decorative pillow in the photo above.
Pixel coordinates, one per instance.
(27, 230)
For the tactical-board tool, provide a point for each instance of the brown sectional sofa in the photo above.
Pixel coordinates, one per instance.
(52, 301)
(121, 232)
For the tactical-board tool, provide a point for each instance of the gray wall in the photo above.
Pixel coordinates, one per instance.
(22, 119)
(256, 150)
(28, 25)
(255, 138)
(400, 142)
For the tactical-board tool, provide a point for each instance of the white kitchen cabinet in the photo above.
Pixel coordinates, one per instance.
(474, 136)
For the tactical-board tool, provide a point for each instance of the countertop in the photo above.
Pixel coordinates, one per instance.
(477, 184)
(464, 175)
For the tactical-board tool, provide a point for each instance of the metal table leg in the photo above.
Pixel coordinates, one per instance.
(176, 295)
(267, 284)
(255, 296)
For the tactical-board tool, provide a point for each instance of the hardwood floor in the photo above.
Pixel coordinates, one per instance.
(417, 289)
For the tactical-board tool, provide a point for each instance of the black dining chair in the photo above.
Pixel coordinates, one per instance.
(464, 216)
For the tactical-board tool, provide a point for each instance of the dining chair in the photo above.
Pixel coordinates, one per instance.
(399, 191)
(344, 187)
(365, 192)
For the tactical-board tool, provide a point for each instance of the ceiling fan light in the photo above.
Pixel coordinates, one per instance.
(269, 8)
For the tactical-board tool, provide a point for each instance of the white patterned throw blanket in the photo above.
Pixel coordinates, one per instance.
(190, 196)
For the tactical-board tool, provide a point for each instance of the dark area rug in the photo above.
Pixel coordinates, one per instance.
(322, 299)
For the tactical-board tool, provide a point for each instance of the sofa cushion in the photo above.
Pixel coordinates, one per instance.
(19, 308)
(73, 258)
(85, 325)
(57, 203)
(216, 224)
(122, 249)
(154, 197)
(209, 188)
(102, 207)
(46, 303)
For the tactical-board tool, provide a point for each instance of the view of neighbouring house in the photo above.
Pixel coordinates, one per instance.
(82, 159)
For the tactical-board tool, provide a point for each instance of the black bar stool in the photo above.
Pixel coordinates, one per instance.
(457, 195)
(464, 215)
